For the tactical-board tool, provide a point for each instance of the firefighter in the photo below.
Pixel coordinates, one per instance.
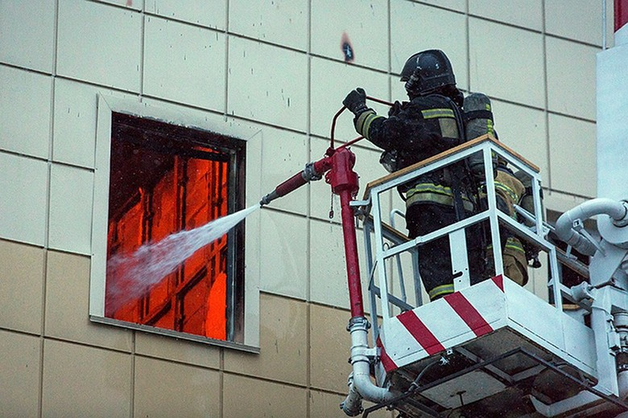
(428, 124)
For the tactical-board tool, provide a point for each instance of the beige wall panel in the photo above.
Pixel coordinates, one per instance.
(166, 389)
(75, 107)
(178, 350)
(116, 60)
(24, 185)
(576, 19)
(331, 82)
(85, 381)
(283, 22)
(254, 167)
(212, 14)
(19, 373)
(75, 117)
(267, 83)
(330, 348)
(283, 343)
(283, 254)
(283, 154)
(572, 156)
(328, 282)
(526, 13)
(525, 131)
(416, 27)
(458, 5)
(326, 405)
(184, 63)
(511, 70)
(67, 311)
(609, 33)
(131, 4)
(27, 33)
(25, 111)
(71, 194)
(368, 35)
(558, 201)
(21, 284)
(246, 397)
(571, 78)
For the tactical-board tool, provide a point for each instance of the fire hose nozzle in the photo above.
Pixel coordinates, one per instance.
(312, 171)
(268, 198)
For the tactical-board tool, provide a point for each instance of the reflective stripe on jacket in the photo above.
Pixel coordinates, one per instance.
(446, 120)
(441, 290)
(434, 193)
(363, 122)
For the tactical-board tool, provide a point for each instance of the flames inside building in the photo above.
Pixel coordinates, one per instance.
(165, 179)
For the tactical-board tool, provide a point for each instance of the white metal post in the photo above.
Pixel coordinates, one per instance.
(459, 259)
(379, 255)
(492, 206)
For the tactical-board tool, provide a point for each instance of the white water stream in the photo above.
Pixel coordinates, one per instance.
(154, 261)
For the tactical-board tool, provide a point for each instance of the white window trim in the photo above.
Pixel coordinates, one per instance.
(182, 116)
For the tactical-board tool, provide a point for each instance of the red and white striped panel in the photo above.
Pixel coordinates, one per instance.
(621, 14)
(442, 324)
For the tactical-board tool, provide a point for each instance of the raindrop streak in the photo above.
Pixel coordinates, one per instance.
(152, 262)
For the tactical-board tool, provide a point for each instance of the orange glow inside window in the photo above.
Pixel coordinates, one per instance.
(162, 181)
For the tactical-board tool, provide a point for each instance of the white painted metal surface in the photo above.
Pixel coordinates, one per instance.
(493, 306)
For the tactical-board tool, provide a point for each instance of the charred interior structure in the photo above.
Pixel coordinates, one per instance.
(165, 179)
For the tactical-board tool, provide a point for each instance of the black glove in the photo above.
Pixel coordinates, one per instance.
(356, 101)
(395, 108)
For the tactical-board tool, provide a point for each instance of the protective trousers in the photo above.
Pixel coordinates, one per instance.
(434, 256)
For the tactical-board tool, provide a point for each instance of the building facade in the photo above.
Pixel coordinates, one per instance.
(271, 75)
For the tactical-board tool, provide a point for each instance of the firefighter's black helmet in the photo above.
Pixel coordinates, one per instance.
(432, 71)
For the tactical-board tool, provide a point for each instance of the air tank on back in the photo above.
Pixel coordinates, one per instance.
(478, 116)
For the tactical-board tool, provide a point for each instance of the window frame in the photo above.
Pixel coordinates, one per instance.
(186, 118)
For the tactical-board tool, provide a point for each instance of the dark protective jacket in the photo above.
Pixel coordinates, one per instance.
(415, 131)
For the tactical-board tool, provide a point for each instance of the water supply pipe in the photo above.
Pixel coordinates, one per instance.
(617, 210)
(338, 169)
(360, 384)
(337, 166)
(344, 182)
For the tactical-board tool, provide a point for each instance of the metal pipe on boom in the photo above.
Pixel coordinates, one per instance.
(344, 182)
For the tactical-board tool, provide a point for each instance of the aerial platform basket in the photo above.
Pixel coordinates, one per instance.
(500, 340)
(491, 349)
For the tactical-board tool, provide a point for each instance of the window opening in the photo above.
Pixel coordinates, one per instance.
(165, 179)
